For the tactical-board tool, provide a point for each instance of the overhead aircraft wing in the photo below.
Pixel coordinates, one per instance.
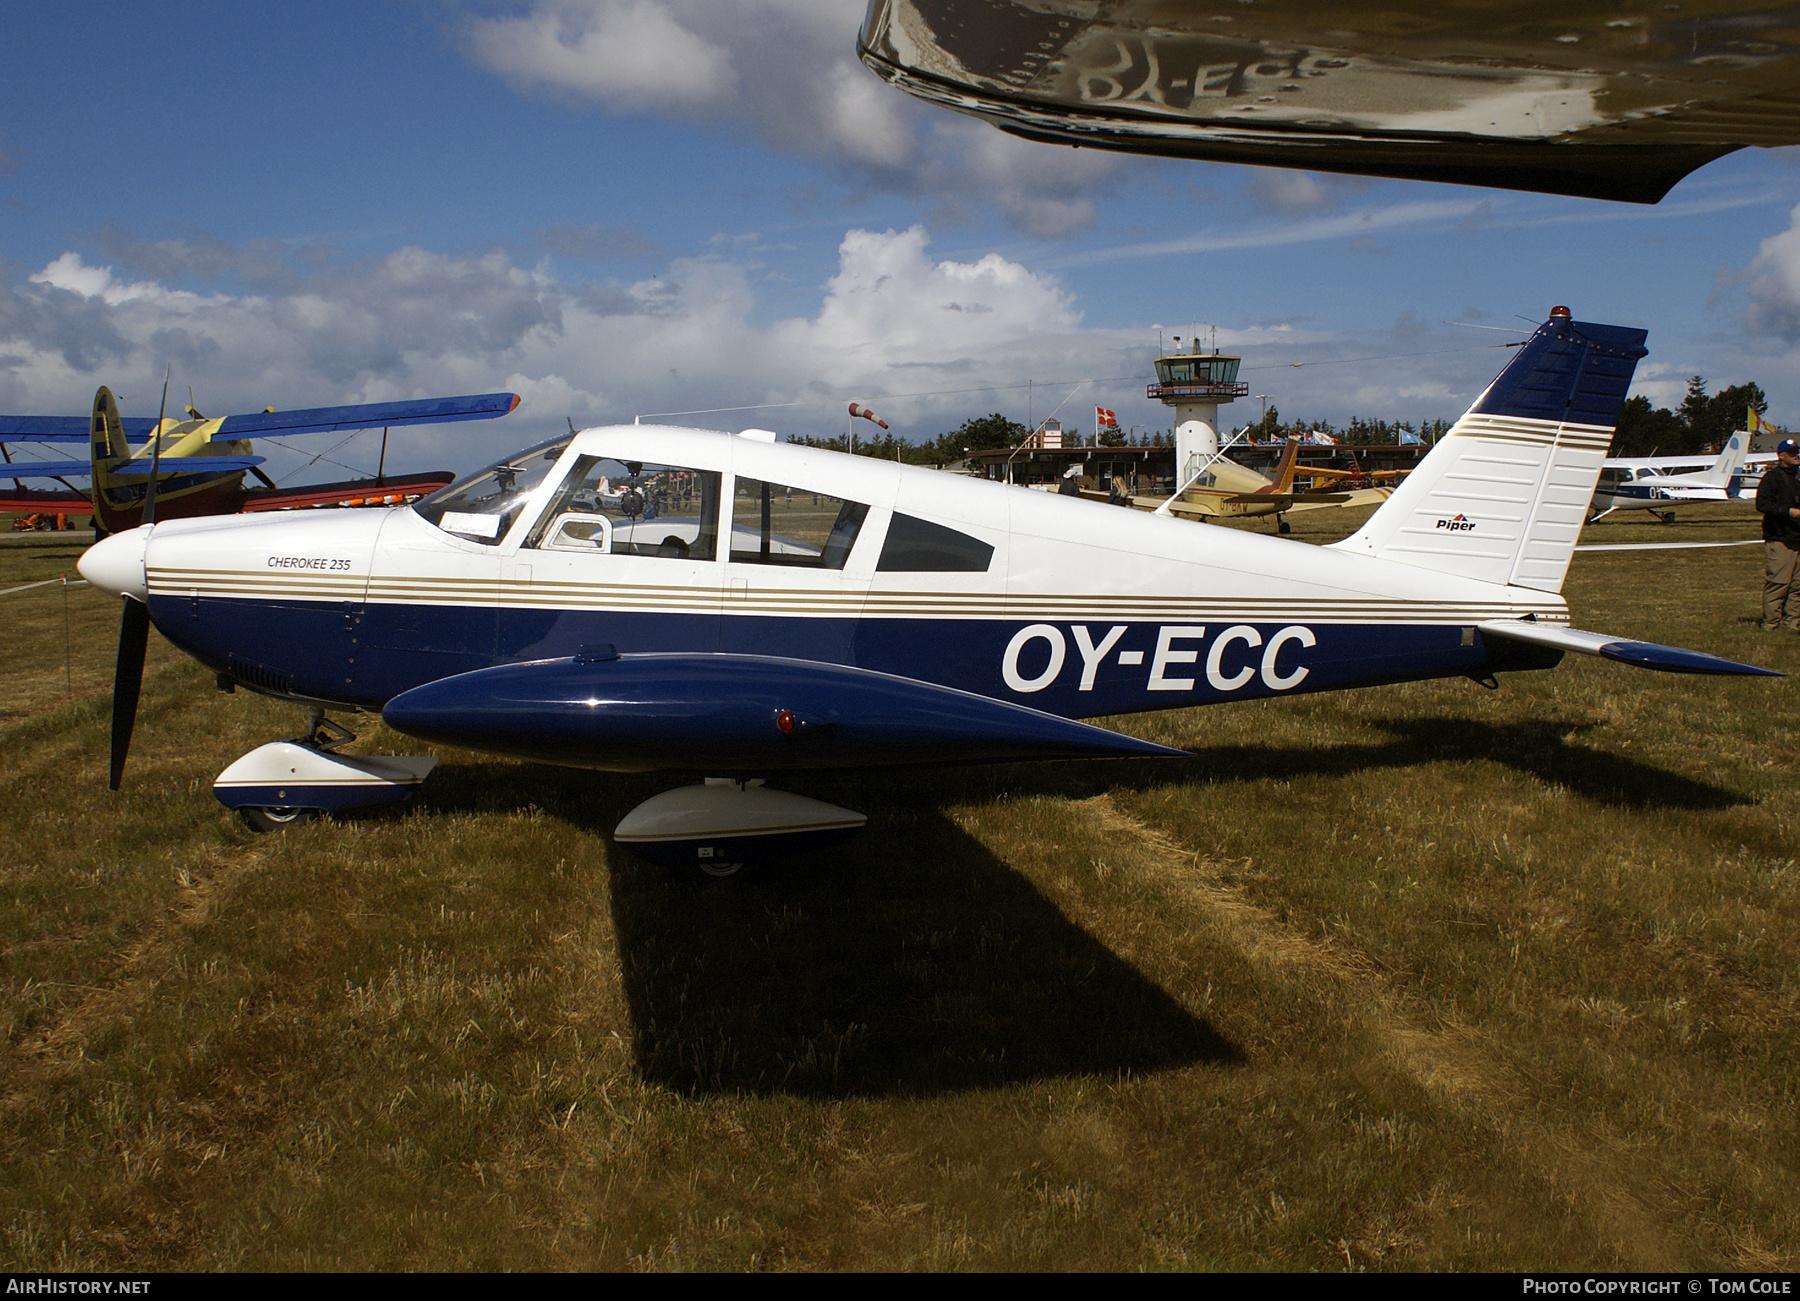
(1607, 102)
(372, 415)
(1644, 654)
(64, 429)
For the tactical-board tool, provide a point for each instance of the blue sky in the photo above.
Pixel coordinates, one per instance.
(629, 206)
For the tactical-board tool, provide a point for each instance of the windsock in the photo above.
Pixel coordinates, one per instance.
(857, 409)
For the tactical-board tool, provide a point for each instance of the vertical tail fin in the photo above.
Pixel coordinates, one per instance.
(106, 439)
(1284, 468)
(1503, 495)
(1730, 462)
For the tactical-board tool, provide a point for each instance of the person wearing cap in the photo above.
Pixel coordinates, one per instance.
(1778, 499)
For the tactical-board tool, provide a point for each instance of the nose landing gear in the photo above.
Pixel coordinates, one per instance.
(288, 783)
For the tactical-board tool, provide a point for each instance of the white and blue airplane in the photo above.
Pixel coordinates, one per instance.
(1660, 486)
(786, 607)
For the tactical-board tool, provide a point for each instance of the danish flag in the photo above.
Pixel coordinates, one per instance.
(1104, 419)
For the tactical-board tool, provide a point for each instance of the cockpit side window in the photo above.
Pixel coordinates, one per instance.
(776, 524)
(632, 508)
(920, 547)
(483, 506)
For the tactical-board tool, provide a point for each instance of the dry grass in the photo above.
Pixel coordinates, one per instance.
(1420, 977)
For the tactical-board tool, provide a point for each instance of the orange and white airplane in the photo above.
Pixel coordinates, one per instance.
(1227, 490)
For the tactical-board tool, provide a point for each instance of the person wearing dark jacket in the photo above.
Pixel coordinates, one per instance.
(1778, 499)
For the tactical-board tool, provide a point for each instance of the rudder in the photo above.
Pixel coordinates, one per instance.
(1503, 495)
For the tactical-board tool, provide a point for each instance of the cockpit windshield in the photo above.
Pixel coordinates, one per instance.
(482, 507)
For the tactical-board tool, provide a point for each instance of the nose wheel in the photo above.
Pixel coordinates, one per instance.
(287, 784)
(263, 820)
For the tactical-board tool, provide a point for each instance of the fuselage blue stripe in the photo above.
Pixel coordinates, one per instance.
(367, 654)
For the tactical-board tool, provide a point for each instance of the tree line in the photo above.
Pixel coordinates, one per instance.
(1700, 424)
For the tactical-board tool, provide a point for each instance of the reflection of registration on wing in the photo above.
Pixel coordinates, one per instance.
(740, 607)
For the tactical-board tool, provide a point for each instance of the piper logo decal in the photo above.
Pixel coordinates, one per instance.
(1243, 646)
(1457, 524)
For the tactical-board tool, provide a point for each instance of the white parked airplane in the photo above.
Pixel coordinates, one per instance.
(1658, 486)
(791, 607)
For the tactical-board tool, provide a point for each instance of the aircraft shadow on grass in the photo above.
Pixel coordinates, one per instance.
(911, 962)
(1544, 748)
(914, 961)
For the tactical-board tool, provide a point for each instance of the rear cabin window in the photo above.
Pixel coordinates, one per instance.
(776, 524)
(920, 547)
(633, 508)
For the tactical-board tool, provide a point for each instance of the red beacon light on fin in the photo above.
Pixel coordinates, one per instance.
(1559, 311)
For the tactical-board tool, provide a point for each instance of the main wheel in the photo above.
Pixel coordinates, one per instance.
(265, 819)
(720, 870)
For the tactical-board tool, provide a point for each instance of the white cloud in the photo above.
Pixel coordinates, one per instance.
(927, 341)
(415, 323)
(1774, 283)
(631, 53)
(785, 73)
(71, 273)
(889, 300)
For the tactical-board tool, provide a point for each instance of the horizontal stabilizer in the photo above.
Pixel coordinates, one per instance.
(372, 415)
(640, 713)
(169, 465)
(1644, 654)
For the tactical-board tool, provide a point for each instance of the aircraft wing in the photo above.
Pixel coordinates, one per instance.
(44, 469)
(170, 465)
(187, 465)
(639, 712)
(389, 490)
(1286, 499)
(1600, 101)
(312, 420)
(64, 429)
(27, 502)
(1644, 654)
(324, 420)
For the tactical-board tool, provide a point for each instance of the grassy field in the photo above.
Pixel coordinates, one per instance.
(1425, 977)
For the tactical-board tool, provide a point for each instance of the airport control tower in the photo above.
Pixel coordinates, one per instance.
(1195, 383)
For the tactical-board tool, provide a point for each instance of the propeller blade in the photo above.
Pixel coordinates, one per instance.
(128, 680)
(149, 517)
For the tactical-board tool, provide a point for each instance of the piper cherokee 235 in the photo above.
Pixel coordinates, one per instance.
(639, 598)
